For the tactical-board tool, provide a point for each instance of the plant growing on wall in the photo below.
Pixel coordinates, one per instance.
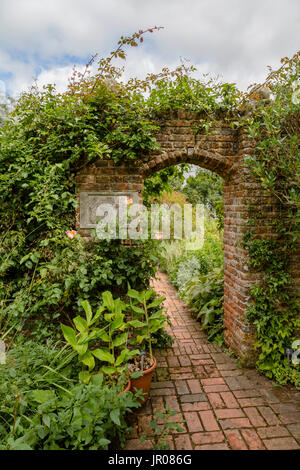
(275, 165)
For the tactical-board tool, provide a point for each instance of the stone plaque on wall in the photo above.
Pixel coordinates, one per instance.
(94, 203)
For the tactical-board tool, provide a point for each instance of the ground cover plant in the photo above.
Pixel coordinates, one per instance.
(43, 406)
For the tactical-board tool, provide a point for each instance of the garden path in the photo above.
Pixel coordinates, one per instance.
(224, 406)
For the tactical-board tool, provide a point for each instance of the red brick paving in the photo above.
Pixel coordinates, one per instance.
(223, 405)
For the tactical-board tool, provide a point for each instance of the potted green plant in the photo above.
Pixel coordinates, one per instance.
(144, 324)
(112, 352)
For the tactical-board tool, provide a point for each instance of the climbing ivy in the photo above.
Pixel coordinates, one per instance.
(275, 163)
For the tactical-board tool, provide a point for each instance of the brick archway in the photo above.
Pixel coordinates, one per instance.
(222, 151)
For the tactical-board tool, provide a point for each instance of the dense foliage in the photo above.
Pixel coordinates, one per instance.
(43, 407)
(275, 125)
(206, 188)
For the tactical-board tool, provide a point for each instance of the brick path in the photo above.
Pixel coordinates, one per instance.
(224, 406)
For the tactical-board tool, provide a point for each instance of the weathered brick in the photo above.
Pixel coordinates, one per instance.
(254, 417)
(181, 387)
(193, 398)
(230, 413)
(193, 421)
(196, 406)
(252, 439)
(162, 391)
(173, 361)
(194, 385)
(213, 381)
(235, 423)
(229, 400)
(254, 401)
(281, 443)
(273, 431)
(136, 444)
(215, 388)
(209, 421)
(294, 430)
(222, 446)
(235, 440)
(268, 415)
(208, 437)
(183, 442)
(216, 400)
(184, 360)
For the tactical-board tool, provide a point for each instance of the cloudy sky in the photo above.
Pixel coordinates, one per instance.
(235, 39)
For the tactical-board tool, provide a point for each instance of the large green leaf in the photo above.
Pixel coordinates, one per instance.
(137, 324)
(108, 370)
(125, 355)
(88, 360)
(138, 309)
(103, 335)
(149, 293)
(69, 334)
(109, 316)
(42, 396)
(87, 309)
(80, 323)
(120, 340)
(103, 355)
(84, 337)
(84, 376)
(141, 338)
(108, 300)
(81, 348)
(117, 323)
(134, 294)
(115, 416)
(97, 379)
(97, 314)
(118, 306)
(156, 302)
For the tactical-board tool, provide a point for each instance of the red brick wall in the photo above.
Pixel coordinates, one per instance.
(223, 151)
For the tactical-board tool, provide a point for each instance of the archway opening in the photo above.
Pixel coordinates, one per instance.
(192, 261)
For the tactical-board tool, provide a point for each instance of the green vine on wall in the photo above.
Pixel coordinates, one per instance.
(275, 312)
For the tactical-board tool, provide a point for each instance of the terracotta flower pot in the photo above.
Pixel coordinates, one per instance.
(143, 382)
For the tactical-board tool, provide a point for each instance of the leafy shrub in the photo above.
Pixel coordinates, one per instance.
(206, 188)
(43, 408)
(189, 268)
(47, 286)
(205, 295)
(162, 339)
(274, 164)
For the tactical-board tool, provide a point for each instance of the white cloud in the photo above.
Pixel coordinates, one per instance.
(232, 38)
